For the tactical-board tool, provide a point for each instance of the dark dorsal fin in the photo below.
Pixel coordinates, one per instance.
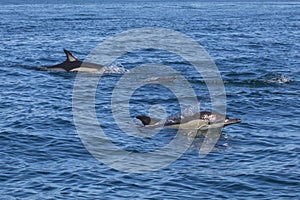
(147, 120)
(70, 57)
(144, 119)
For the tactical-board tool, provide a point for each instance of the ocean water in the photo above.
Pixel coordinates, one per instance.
(255, 47)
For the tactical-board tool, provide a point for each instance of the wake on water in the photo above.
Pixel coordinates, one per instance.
(116, 68)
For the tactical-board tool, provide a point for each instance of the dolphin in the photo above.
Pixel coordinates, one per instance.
(200, 121)
(73, 64)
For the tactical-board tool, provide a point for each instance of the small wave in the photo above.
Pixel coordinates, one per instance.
(277, 78)
(268, 79)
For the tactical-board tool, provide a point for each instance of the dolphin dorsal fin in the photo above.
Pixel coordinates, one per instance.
(147, 120)
(70, 57)
(144, 119)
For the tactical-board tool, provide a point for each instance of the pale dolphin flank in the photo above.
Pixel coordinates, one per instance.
(72, 64)
(202, 121)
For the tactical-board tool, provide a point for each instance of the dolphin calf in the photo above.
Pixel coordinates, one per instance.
(200, 121)
(72, 64)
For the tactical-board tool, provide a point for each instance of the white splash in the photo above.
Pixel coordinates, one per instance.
(116, 68)
(279, 79)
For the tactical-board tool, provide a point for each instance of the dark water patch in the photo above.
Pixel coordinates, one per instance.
(81, 19)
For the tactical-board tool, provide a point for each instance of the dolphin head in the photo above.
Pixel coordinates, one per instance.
(229, 121)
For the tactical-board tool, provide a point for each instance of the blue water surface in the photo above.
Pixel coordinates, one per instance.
(257, 51)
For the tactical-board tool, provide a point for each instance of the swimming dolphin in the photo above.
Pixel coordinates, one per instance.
(72, 64)
(200, 121)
